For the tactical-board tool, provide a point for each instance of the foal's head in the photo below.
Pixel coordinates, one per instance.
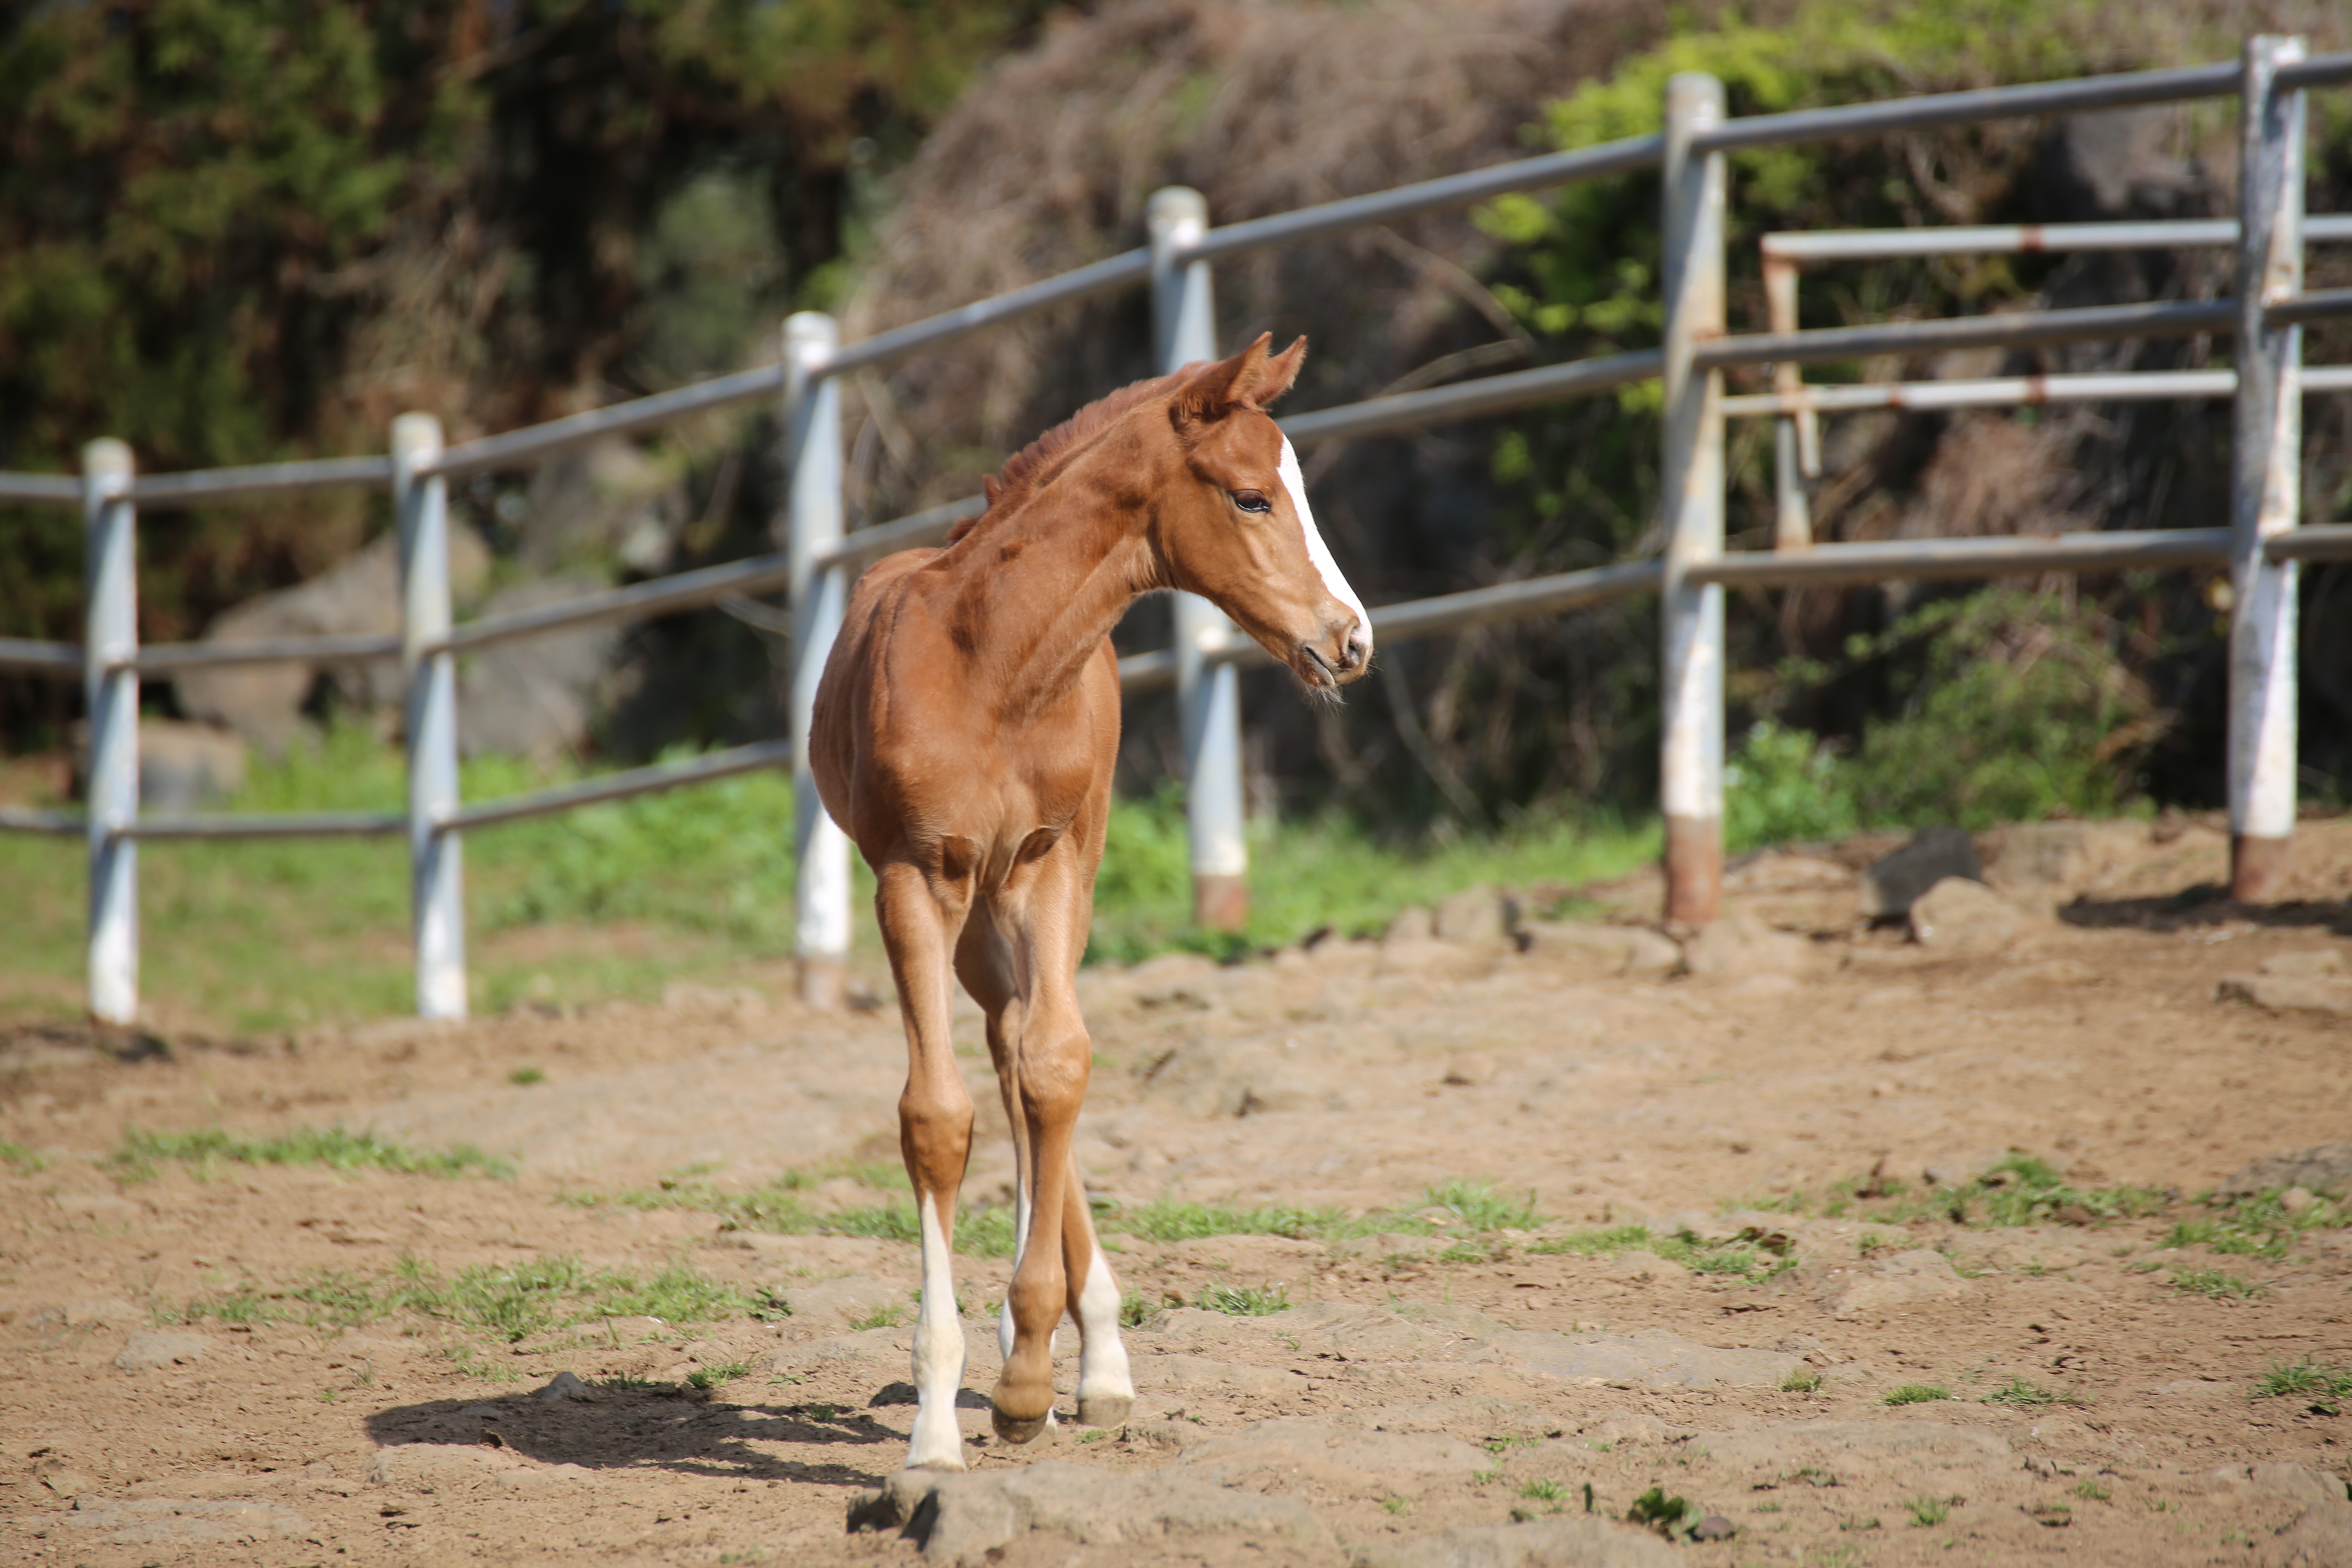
(1237, 530)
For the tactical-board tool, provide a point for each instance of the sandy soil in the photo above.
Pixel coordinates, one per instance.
(1419, 1388)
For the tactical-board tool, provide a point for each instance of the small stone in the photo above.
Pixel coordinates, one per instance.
(564, 1386)
(1471, 1069)
(2287, 992)
(1412, 923)
(1908, 1278)
(1600, 951)
(1714, 1526)
(2298, 1200)
(152, 1348)
(1958, 915)
(1738, 947)
(1893, 882)
(1478, 915)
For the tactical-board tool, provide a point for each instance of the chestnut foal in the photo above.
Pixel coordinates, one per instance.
(964, 735)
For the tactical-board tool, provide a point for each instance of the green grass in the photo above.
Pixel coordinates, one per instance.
(1544, 1490)
(20, 1159)
(1805, 1380)
(889, 1315)
(2259, 1225)
(1916, 1394)
(2019, 1393)
(2294, 1380)
(333, 1148)
(259, 936)
(511, 1302)
(705, 1378)
(1926, 1512)
(2216, 1284)
(1243, 1300)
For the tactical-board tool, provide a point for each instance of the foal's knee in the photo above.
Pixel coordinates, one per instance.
(935, 1131)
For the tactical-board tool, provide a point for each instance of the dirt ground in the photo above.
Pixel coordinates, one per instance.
(2126, 1025)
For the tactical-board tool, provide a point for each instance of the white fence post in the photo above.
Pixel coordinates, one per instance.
(435, 858)
(1691, 494)
(1208, 695)
(109, 640)
(2265, 478)
(814, 523)
(1796, 437)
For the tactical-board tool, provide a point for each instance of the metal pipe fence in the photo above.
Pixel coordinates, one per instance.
(816, 560)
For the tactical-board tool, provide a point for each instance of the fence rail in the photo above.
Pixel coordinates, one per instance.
(2262, 547)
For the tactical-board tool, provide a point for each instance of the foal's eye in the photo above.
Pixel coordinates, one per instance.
(1252, 501)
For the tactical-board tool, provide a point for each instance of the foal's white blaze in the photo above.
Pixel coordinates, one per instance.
(939, 1355)
(1102, 1360)
(1294, 482)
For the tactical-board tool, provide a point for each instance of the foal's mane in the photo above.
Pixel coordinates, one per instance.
(1029, 467)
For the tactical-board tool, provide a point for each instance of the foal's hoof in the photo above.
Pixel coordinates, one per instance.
(1016, 1429)
(1105, 1409)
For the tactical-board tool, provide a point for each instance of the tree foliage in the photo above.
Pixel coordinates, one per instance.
(239, 230)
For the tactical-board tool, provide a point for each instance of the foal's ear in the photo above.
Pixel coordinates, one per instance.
(1217, 389)
(1274, 377)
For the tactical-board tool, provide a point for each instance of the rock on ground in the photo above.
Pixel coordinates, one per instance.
(152, 1348)
(1905, 1279)
(1958, 915)
(2326, 1168)
(1893, 883)
(1600, 951)
(2287, 992)
(162, 1521)
(1572, 1543)
(1738, 947)
(962, 1518)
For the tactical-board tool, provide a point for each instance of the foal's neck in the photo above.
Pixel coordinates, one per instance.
(1042, 586)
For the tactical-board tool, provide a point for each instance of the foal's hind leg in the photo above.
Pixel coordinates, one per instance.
(921, 911)
(1106, 1387)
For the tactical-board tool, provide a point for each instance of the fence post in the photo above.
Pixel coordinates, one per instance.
(813, 519)
(109, 640)
(420, 503)
(1691, 751)
(1208, 694)
(2265, 478)
(1796, 436)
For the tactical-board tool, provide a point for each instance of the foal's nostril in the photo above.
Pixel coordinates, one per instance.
(1359, 645)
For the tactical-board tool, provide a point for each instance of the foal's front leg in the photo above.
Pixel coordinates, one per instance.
(919, 911)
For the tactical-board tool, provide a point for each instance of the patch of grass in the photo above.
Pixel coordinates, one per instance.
(2093, 1490)
(889, 1315)
(1486, 1477)
(1137, 1310)
(1308, 874)
(2294, 1380)
(1505, 1445)
(1926, 1512)
(1860, 1522)
(1396, 1505)
(20, 1159)
(2216, 1284)
(1601, 1243)
(524, 1077)
(244, 1305)
(1805, 1380)
(2259, 1225)
(136, 1157)
(2023, 1395)
(778, 1209)
(1915, 1393)
(2018, 1191)
(1544, 1490)
(1243, 1300)
(1478, 1206)
(1173, 1219)
(1676, 1518)
(705, 1378)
